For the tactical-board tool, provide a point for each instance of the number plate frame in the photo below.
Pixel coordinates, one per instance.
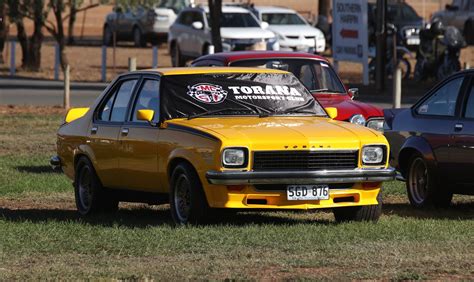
(307, 192)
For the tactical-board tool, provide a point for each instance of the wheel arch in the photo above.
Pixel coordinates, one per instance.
(174, 162)
(415, 145)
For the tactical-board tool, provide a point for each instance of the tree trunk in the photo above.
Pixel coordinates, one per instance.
(215, 10)
(72, 20)
(36, 39)
(324, 8)
(58, 7)
(3, 28)
(15, 16)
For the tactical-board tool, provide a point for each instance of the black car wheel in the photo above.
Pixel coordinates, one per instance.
(108, 36)
(188, 203)
(362, 213)
(422, 187)
(177, 59)
(138, 38)
(90, 196)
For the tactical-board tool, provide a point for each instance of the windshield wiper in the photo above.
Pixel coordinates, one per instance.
(206, 113)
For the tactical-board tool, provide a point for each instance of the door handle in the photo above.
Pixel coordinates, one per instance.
(124, 131)
(94, 130)
(458, 127)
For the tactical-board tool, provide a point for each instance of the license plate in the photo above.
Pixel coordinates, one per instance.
(307, 192)
(413, 41)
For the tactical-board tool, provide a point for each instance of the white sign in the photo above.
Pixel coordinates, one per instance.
(349, 33)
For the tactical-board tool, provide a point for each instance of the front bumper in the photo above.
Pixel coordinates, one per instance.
(301, 177)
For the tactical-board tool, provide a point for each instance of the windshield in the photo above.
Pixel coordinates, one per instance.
(175, 5)
(247, 94)
(316, 75)
(236, 20)
(282, 19)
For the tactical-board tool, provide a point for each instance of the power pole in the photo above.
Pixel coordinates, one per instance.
(215, 10)
(381, 45)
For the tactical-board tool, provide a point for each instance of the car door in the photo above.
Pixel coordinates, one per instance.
(463, 149)
(138, 140)
(435, 120)
(105, 128)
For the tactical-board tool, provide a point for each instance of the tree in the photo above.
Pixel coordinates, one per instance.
(324, 8)
(215, 10)
(3, 28)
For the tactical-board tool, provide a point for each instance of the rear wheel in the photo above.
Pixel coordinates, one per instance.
(138, 38)
(91, 197)
(423, 189)
(361, 213)
(188, 202)
(177, 59)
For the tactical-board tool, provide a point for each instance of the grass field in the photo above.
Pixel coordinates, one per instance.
(41, 235)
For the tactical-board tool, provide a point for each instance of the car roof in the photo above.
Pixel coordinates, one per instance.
(241, 55)
(208, 70)
(225, 9)
(273, 9)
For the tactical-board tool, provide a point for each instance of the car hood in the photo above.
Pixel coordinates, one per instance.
(346, 107)
(245, 33)
(296, 30)
(278, 132)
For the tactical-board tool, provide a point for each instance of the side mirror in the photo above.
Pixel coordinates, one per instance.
(198, 25)
(145, 115)
(264, 25)
(332, 112)
(75, 113)
(354, 93)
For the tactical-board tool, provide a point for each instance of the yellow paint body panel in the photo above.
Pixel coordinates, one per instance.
(143, 159)
(75, 113)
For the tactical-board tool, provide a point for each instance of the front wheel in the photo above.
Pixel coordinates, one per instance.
(188, 203)
(91, 197)
(423, 188)
(361, 213)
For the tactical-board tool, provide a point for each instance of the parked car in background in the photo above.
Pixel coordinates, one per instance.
(315, 72)
(432, 142)
(142, 24)
(407, 22)
(293, 31)
(190, 35)
(460, 13)
(205, 139)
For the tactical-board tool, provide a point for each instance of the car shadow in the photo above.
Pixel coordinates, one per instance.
(146, 217)
(459, 211)
(37, 169)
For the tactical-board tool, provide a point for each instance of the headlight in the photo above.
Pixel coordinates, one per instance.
(373, 155)
(235, 157)
(376, 124)
(357, 119)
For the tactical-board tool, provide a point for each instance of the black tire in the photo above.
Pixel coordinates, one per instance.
(361, 213)
(108, 36)
(423, 187)
(91, 196)
(188, 202)
(469, 32)
(177, 59)
(138, 38)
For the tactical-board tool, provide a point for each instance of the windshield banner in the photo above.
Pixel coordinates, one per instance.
(188, 95)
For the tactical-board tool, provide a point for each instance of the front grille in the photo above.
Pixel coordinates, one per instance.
(304, 160)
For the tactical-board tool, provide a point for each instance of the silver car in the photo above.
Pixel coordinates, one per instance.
(460, 13)
(142, 24)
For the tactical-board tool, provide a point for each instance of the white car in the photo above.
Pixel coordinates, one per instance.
(190, 35)
(293, 31)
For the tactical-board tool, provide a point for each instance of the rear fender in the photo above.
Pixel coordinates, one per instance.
(412, 145)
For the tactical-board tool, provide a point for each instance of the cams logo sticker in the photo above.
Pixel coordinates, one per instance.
(207, 93)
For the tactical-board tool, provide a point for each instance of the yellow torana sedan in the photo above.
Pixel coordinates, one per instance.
(205, 139)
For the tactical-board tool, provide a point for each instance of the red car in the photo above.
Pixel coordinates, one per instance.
(315, 72)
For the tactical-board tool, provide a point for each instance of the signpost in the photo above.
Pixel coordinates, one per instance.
(349, 33)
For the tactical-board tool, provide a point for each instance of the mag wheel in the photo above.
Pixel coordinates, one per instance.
(90, 196)
(422, 188)
(361, 213)
(187, 200)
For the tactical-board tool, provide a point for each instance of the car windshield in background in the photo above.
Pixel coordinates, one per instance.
(236, 20)
(317, 76)
(282, 19)
(247, 94)
(175, 5)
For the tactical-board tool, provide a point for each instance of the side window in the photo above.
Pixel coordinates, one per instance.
(306, 76)
(197, 17)
(148, 98)
(104, 113)
(187, 18)
(443, 101)
(123, 95)
(470, 104)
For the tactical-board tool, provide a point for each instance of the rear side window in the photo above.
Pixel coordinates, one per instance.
(443, 101)
(148, 99)
(470, 104)
(115, 108)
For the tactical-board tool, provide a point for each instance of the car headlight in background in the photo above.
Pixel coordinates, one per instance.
(235, 157)
(373, 155)
(357, 119)
(376, 124)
